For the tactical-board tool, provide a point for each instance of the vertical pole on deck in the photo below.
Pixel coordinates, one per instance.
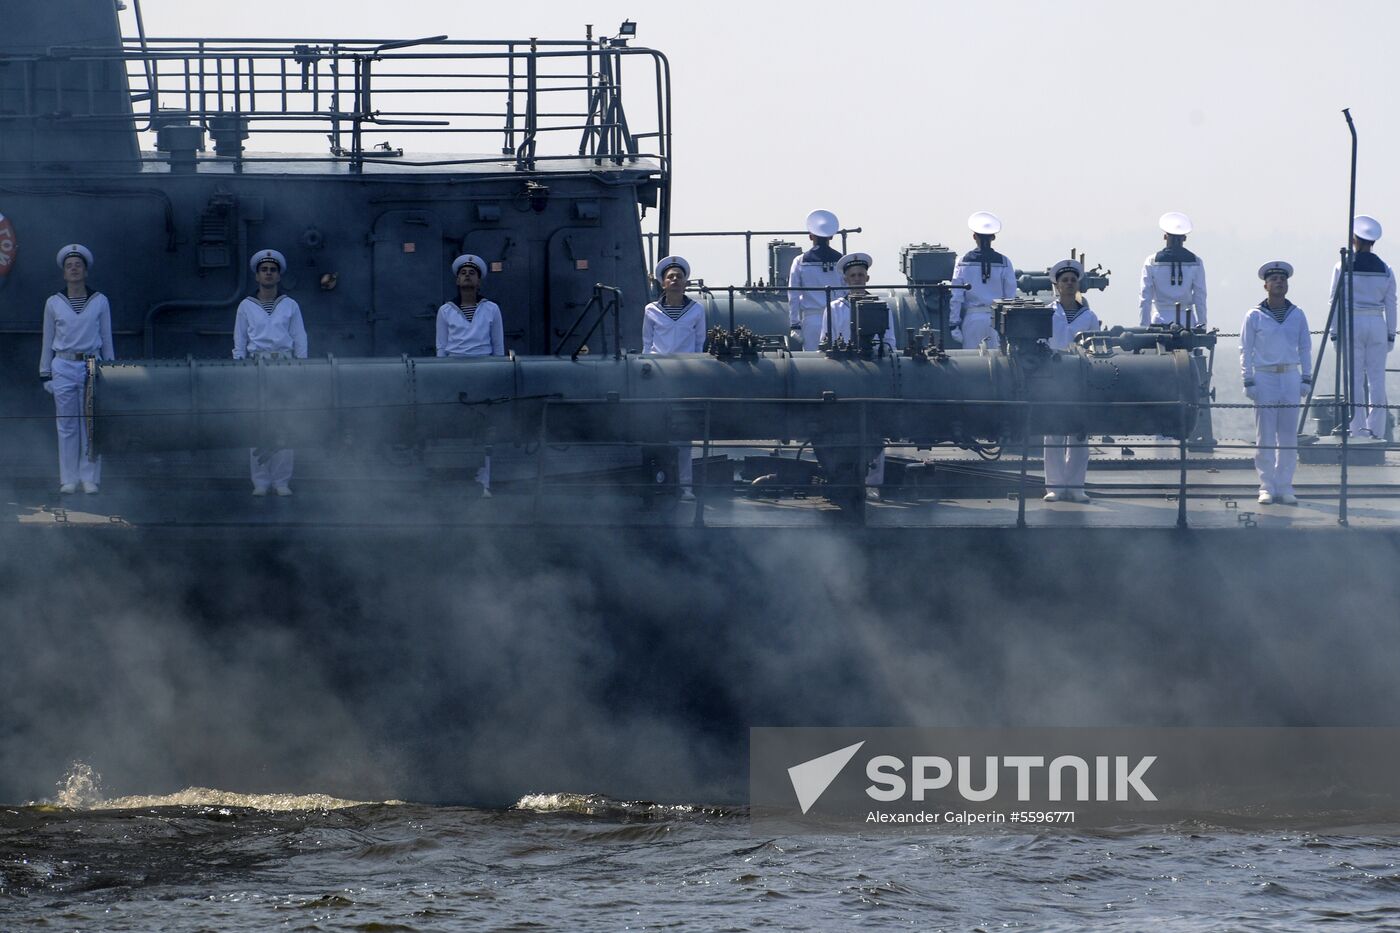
(704, 471)
(357, 127)
(861, 468)
(1345, 337)
(588, 71)
(1025, 456)
(1181, 481)
(539, 458)
(1332, 320)
(508, 144)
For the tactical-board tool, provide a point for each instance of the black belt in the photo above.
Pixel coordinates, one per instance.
(74, 357)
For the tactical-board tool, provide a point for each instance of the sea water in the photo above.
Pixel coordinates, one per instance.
(215, 860)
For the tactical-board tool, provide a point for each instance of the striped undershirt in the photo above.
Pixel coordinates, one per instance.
(78, 304)
(1071, 315)
(675, 314)
(468, 312)
(1276, 315)
(269, 304)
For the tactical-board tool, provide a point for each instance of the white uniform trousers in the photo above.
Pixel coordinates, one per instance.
(1369, 349)
(811, 329)
(74, 465)
(685, 468)
(976, 327)
(483, 472)
(1066, 462)
(876, 475)
(276, 470)
(1276, 430)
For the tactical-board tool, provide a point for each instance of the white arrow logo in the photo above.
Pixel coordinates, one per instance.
(811, 778)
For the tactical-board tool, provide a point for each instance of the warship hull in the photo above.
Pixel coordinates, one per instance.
(455, 654)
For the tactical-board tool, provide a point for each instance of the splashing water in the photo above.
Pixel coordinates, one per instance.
(80, 788)
(601, 805)
(209, 797)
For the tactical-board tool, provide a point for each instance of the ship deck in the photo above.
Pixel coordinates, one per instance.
(1131, 488)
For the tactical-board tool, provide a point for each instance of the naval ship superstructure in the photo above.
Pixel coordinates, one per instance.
(781, 595)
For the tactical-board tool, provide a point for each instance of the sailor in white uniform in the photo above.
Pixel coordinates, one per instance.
(1274, 344)
(675, 323)
(811, 275)
(1173, 287)
(269, 326)
(77, 326)
(1373, 326)
(1067, 456)
(989, 277)
(471, 326)
(836, 322)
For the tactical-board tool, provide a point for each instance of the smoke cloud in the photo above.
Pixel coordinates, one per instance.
(478, 664)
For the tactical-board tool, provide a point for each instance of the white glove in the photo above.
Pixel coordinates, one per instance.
(48, 385)
(1303, 392)
(956, 334)
(1249, 392)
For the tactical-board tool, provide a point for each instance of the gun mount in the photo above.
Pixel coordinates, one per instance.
(1197, 343)
(1033, 283)
(1139, 339)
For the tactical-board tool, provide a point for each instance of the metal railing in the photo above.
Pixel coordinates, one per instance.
(1179, 489)
(747, 236)
(605, 304)
(1015, 478)
(529, 101)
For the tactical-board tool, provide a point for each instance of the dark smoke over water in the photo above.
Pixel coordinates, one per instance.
(479, 665)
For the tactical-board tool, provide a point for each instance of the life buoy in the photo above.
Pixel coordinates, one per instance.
(9, 248)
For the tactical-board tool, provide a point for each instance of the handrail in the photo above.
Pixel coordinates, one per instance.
(612, 306)
(420, 89)
(748, 236)
(1017, 477)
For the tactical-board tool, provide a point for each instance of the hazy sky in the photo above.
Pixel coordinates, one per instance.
(1079, 123)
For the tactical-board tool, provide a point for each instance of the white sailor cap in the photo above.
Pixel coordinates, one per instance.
(1275, 265)
(1366, 227)
(469, 258)
(1175, 222)
(1074, 265)
(263, 255)
(823, 224)
(853, 259)
(75, 249)
(984, 222)
(670, 261)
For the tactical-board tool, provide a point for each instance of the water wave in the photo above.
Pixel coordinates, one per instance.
(601, 805)
(81, 789)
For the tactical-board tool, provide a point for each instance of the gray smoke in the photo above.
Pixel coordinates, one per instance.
(478, 664)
